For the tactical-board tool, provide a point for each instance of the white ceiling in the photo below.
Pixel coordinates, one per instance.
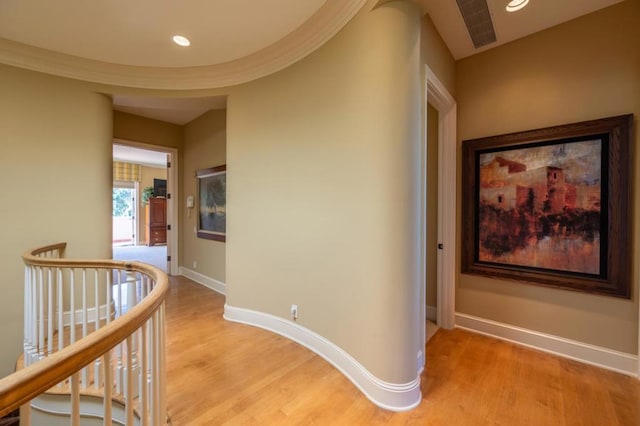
(139, 32)
(128, 43)
(537, 16)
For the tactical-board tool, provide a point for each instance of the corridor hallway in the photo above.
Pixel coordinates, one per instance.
(219, 372)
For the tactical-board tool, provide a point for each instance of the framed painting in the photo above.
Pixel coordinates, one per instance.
(551, 206)
(212, 203)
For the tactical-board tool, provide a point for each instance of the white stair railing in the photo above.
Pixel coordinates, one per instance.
(95, 328)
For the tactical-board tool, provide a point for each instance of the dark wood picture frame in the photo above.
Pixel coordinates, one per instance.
(530, 213)
(212, 203)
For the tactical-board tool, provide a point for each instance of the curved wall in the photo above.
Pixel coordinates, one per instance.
(56, 137)
(322, 163)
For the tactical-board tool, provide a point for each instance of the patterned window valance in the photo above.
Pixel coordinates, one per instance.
(127, 172)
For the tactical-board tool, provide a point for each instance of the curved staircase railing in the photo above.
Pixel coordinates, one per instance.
(91, 328)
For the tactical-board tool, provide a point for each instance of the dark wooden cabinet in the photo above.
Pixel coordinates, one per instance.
(156, 221)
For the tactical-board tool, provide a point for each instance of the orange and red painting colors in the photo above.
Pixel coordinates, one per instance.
(540, 206)
(551, 206)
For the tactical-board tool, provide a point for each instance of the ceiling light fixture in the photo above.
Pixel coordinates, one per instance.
(184, 42)
(515, 5)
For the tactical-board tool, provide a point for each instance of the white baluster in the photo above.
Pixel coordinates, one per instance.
(132, 349)
(72, 308)
(34, 314)
(144, 394)
(28, 312)
(129, 384)
(153, 374)
(162, 373)
(119, 347)
(59, 285)
(60, 311)
(109, 293)
(97, 379)
(50, 312)
(40, 313)
(85, 322)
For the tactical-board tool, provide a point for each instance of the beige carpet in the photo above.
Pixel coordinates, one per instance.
(156, 255)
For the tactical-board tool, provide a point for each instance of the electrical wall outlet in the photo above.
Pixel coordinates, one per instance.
(294, 312)
(195, 264)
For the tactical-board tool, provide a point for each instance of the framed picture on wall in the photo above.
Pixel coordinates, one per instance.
(551, 206)
(212, 203)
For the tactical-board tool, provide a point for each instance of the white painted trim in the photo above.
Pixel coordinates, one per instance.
(49, 407)
(442, 100)
(390, 396)
(432, 313)
(620, 362)
(91, 315)
(317, 30)
(213, 284)
(79, 316)
(421, 196)
(173, 203)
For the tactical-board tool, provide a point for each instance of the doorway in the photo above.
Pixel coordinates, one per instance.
(155, 172)
(124, 213)
(438, 96)
(431, 299)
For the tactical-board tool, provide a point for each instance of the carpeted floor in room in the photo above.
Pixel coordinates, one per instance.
(155, 255)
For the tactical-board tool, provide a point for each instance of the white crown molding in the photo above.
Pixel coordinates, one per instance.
(322, 26)
(210, 283)
(390, 396)
(589, 354)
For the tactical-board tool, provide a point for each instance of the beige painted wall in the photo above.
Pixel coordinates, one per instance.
(585, 69)
(148, 174)
(436, 55)
(204, 146)
(56, 139)
(146, 130)
(432, 206)
(322, 172)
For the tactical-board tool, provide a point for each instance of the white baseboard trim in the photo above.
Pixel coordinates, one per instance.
(91, 315)
(432, 313)
(390, 396)
(204, 280)
(610, 359)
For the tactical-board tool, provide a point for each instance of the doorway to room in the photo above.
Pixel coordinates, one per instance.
(124, 213)
(147, 169)
(439, 163)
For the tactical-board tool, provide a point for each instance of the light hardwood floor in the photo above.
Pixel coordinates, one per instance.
(220, 372)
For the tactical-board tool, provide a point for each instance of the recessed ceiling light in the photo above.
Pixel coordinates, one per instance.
(515, 5)
(183, 41)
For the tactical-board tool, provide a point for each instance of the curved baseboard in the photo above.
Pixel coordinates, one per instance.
(390, 396)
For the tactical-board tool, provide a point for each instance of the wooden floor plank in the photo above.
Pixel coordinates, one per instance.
(220, 372)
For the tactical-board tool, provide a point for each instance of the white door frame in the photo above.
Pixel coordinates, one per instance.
(438, 96)
(172, 203)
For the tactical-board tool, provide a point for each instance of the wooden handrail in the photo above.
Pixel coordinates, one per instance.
(36, 251)
(24, 385)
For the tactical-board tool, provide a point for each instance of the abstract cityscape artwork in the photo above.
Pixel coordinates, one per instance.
(550, 206)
